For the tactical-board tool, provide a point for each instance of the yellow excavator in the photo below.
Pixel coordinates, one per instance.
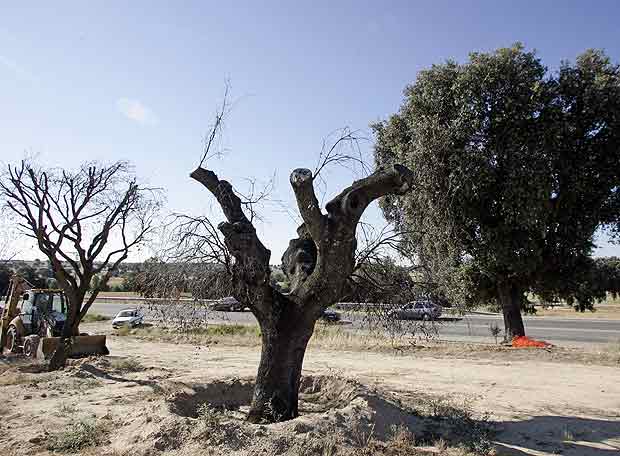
(33, 320)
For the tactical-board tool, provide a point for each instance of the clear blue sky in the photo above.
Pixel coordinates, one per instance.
(140, 80)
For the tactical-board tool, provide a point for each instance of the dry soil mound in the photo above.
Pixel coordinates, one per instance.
(197, 416)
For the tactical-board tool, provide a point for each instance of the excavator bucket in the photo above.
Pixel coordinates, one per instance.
(81, 346)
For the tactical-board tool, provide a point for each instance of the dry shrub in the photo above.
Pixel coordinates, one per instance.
(78, 435)
(126, 365)
(455, 424)
(236, 335)
(91, 318)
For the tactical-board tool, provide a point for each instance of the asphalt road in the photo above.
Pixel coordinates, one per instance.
(473, 327)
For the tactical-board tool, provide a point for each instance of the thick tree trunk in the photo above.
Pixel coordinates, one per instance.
(71, 328)
(59, 358)
(276, 391)
(510, 297)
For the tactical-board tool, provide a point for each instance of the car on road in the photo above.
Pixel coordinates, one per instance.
(417, 310)
(128, 317)
(228, 304)
(330, 316)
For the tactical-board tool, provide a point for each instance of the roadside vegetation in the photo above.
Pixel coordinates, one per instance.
(337, 338)
(93, 317)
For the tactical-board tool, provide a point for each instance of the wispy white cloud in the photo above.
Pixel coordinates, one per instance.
(17, 69)
(136, 111)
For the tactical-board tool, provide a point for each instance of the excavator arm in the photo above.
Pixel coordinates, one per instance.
(16, 288)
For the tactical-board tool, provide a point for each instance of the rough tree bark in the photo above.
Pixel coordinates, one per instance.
(71, 328)
(510, 296)
(318, 263)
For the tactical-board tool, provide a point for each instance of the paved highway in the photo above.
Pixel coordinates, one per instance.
(561, 331)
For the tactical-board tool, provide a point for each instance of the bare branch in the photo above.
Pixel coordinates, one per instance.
(216, 128)
(251, 266)
(334, 155)
(302, 183)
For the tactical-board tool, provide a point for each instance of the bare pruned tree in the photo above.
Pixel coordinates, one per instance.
(318, 263)
(85, 222)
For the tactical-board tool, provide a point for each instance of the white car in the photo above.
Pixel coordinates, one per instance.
(417, 310)
(128, 317)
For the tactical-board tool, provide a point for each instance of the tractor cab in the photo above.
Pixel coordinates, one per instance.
(43, 312)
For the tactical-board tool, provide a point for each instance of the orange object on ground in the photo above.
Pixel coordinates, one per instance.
(524, 341)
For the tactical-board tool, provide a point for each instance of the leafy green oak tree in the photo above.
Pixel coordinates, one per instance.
(597, 280)
(515, 169)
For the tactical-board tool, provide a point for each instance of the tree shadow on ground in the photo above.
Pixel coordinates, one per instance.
(566, 435)
(448, 319)
(97, 372)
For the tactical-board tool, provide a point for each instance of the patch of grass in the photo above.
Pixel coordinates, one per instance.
(77, 435)
(230, 330)
(12, 377)
(127, 364)
(614, 350)
(65, 409)
(237, 335)
(454, 424)
(209, 417)
(336, 337)
(76, 384)
(325, 336)
(90, 318)
(123, 331)
(216, 428)
(402, 443)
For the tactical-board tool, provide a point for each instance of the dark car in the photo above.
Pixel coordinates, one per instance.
(228, 304)
(330, 316)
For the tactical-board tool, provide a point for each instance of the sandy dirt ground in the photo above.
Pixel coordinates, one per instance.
(144, 399)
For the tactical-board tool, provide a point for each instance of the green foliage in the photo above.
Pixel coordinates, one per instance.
(596, 279)
(34, 277)
(130, 282)
(279, 280)
(169, 280)
(76, 436)
(97, 283)
(384, 281)
(515, 169)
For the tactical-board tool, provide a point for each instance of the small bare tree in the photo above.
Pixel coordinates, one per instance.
(85, 222)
